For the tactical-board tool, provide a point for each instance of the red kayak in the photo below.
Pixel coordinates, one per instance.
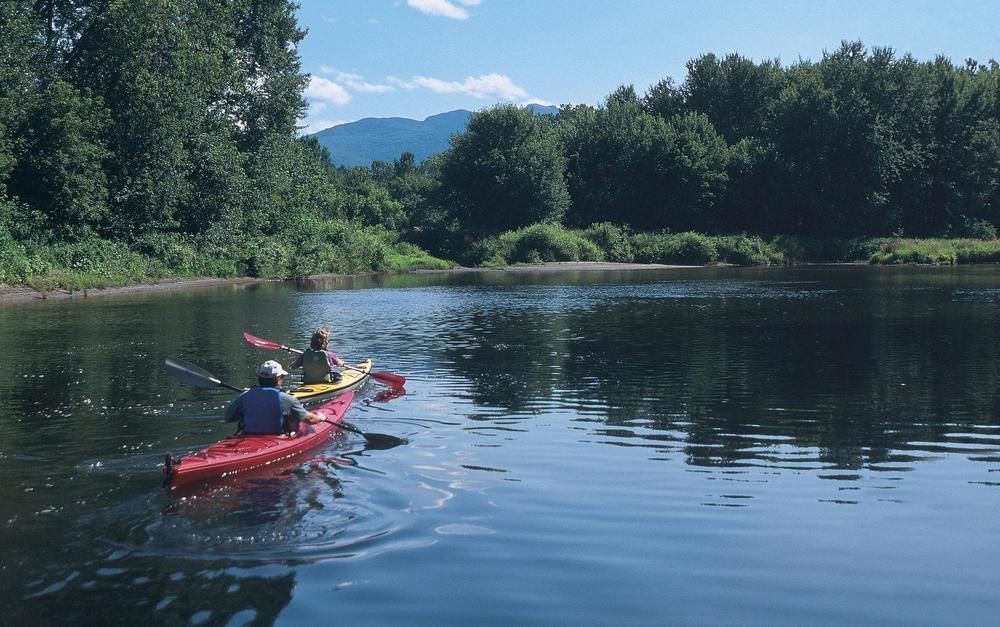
(241, 453)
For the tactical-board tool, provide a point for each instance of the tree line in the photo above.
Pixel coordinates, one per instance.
(162, 136)
(859, 144)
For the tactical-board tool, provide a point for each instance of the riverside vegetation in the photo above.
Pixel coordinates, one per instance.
(144, 140)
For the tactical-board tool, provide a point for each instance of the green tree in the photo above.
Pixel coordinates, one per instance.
(738, 95)
(664, 99)
(692, 174)
(411, 185)
(955, 179)
(612, 164)
(292, 186)
(60, 171)
(740, 98)
(505, 171)
(837, 144)
(266, 98)
(631, 167)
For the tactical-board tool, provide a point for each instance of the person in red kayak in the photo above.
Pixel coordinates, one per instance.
(317, 362)
(265, 410)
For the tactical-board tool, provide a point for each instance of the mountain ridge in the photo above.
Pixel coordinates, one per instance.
(360, 142)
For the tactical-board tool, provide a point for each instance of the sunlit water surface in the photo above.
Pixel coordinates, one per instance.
(708, 446)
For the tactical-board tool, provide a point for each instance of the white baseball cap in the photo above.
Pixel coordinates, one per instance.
(270, 369)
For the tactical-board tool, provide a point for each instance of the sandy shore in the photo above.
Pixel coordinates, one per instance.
(11, 294)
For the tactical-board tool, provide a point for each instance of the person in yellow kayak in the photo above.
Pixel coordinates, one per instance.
(317, 362)
(265, 409)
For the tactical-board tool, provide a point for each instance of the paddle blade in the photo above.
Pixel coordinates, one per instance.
(392, 380)
(378, 441)
(383, 441)
(190, 373)
(261, 342)
(387, 394)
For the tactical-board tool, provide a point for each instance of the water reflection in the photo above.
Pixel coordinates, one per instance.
(739, 372)
(216, 554)
(636, 432)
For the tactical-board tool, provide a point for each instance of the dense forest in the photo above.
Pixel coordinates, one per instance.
(141, 139)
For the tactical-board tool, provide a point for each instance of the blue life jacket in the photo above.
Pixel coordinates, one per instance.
(262, 411)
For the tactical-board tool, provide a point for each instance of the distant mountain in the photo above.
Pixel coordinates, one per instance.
(384, 139)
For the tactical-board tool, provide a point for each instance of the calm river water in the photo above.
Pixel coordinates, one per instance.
(816, 445)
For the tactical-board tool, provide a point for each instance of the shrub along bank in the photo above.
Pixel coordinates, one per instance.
(340, 247)
(325, 247)
(609, 242)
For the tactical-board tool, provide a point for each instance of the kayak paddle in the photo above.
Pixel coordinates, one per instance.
(388, 378)
(193, 375)
(198, 377)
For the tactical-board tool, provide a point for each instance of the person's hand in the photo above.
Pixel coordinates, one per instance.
(313, 417)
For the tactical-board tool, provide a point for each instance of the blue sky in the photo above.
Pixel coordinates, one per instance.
(415, 58)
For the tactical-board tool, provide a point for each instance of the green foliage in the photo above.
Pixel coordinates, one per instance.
(505, 171)
(146, 139)
(405, 256)
(60, 169)
(977, 251)
(937, 251)
(737, 95)
(747, 250)
(831, 250)
(548, 242)
(686, 248)
(615, 241)
(979, 229)
(631, 167)
(613, 156)
(537, 243)
(664, 99)
(100, 258)
(374, 205)
(17, 265)
(694, 169)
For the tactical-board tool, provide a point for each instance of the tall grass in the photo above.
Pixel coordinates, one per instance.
(936, 251)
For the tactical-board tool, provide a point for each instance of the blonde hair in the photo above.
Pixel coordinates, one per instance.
(320, 338)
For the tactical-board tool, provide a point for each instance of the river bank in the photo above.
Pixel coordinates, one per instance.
(10, 294)
(19, 294)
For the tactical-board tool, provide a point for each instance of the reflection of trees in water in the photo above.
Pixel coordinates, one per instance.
(507, 358)
(99, 365)
(847, 379)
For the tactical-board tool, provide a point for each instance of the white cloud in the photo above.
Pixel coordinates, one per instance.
(443, 8)
(323, 92)
(356, 82)
(483, 86)
(538, 101)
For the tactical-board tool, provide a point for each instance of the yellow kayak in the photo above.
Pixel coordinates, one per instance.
(352, 378)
